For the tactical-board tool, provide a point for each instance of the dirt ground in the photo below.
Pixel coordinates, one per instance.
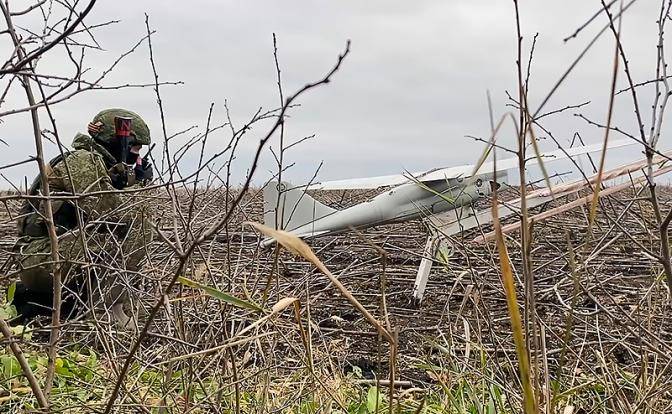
(623, 318)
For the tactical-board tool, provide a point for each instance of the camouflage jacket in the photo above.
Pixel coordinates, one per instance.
(83, 170)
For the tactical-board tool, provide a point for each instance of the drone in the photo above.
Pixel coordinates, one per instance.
(444, 198)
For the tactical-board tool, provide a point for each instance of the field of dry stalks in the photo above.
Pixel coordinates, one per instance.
(603, 336)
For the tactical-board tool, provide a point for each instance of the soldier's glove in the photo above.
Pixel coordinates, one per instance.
(144, 172)
(122, 176)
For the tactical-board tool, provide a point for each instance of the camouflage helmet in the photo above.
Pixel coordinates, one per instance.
(102, 126)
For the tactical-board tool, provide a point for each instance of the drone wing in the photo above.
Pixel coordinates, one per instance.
(463, 171)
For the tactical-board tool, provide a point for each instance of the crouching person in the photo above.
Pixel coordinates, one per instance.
(102, 236)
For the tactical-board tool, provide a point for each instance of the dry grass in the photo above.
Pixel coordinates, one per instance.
(455, 352)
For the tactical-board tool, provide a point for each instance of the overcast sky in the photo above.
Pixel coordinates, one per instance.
(413, 86)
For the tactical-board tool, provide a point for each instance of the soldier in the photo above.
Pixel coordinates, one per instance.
(115, 225)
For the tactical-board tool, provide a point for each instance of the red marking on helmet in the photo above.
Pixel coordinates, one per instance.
(122, 126)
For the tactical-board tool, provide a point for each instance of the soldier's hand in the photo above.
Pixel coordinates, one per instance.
(144, 172)
(118, 176)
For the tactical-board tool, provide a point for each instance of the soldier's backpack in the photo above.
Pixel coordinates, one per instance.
(31, 215)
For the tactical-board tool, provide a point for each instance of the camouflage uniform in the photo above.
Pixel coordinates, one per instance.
(117, 227)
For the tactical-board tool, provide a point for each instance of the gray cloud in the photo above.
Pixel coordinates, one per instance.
(413, 86)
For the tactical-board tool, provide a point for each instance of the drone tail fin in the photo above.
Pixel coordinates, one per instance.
(287, 207)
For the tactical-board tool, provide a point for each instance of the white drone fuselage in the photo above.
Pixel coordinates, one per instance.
(306, 217)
